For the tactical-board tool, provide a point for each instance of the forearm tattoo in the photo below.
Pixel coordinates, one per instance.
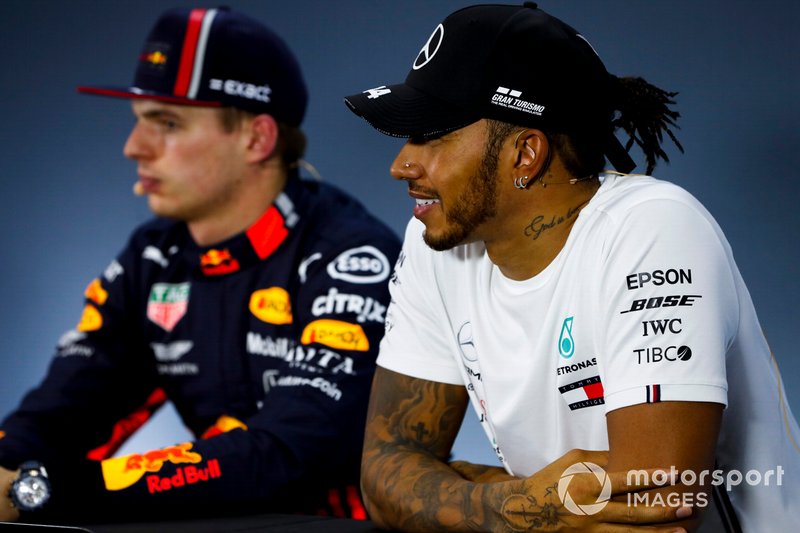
(410, 431)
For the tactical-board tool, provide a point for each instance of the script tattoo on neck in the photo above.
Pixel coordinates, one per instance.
(539, 226)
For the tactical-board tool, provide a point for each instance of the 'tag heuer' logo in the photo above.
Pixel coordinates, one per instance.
(215, 262)
(336, 334)
(168, 303)
(122, 472)
(272, 305)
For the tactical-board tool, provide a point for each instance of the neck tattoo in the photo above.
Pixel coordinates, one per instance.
(538, 225)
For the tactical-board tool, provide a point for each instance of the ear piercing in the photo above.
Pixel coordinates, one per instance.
(521, 183)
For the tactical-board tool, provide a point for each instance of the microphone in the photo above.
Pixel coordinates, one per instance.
(138, 188)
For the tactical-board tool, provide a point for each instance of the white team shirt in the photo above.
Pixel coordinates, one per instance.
(643, 304)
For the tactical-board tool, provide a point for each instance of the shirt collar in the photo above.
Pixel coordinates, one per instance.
(257, 242)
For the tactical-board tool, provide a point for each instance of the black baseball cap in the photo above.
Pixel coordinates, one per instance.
(217, 57)
(516, 64)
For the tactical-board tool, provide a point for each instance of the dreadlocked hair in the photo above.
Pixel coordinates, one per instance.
(644, 114)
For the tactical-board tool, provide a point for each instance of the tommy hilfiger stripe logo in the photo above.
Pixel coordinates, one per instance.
(653, 393)
(193, 52)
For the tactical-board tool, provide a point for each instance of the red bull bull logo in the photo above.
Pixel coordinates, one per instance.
(215, 262)
(154, 58)
(122, 472)
(153, 460)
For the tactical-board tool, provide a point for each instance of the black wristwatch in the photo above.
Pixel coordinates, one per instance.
(31, 489)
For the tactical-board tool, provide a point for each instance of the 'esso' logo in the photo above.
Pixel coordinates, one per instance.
(365, 264)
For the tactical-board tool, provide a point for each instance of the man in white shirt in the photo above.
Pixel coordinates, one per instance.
(575, 309)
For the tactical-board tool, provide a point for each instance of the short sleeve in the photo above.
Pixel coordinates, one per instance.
(669, 306)
(414, 344)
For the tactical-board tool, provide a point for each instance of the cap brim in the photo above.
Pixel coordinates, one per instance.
(136, 93)
(402, 111)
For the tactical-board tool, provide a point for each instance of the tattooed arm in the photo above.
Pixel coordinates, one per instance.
(408, 485)
(480, 473)
(411, 426)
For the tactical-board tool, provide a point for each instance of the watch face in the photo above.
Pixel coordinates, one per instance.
(31, 492)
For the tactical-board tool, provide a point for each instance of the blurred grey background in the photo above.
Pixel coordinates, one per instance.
(65, 187)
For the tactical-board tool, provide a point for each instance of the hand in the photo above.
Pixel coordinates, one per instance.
(540, 506)
(8, 513)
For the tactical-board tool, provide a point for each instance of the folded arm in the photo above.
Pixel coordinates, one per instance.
(408, 486)
(682, 435)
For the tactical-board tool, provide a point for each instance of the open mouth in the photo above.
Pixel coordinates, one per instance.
(424, 202)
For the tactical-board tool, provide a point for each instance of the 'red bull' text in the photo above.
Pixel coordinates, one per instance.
(184, 475)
